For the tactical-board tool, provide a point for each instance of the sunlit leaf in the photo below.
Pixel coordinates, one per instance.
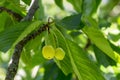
(50, 39)
(58, 41)
(82, 66)
(95, 35)
(79, 61)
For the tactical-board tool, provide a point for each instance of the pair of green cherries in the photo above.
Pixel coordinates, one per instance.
(49, 52)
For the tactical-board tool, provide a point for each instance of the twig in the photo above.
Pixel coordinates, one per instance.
(14, 14)
(31, 11)
(13, 67)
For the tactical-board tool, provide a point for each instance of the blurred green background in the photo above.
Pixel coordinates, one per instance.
(108, 17)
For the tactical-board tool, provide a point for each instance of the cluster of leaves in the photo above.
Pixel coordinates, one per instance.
(64, 33)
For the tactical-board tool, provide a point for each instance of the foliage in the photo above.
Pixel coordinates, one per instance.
(88, 32)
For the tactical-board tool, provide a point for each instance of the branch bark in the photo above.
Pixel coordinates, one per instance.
(14, 14)
(13, 67)
(31, 11)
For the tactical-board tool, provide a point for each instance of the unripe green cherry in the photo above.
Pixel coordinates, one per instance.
(48, 52)
(59, 54)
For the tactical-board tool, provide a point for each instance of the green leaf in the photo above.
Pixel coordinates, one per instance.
(99, 54)
(98, 3)
(78, 59)
(34, 25)
(50, 38)
(5, 21)
(52, 72)
(31, 54)
(2, 2)
(61, 76)
(82, 66)
(40, 14)
(114, 47)
(77, 4)
(95, 35)
(64, 65)
(15, 7)
(11, 36)
(15, 1)
(89, 21)
(71, 22)
(98, 38)
(118, 76)
(27, 2)
(105, 61)
(114, 37)
(3, 18)
(59, 3)
(104, 22)
(90, 6)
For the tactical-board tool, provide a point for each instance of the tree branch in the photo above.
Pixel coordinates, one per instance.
(14, 14)
(13, 67)
(32, 11)
(29, 15)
